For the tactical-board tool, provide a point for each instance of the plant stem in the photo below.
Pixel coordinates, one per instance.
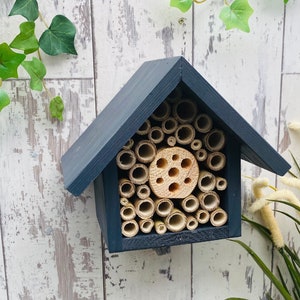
(226, 3)
(43, 20)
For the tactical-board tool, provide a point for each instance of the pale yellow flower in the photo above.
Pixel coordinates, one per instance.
(294, 126)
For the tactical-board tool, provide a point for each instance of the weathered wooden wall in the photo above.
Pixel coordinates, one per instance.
(51, 246)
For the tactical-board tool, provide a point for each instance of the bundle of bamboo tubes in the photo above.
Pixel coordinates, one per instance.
(172, 171)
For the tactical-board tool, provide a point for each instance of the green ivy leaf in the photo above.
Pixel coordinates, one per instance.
(29, 9)
(285, 1)
(37, 72)
(183, 5)
(59, 38)
(26, 39)
(4, 99)
(237, 15)
(9, 62)
(57, 108)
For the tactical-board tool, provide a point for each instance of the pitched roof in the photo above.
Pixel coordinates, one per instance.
(136, 101)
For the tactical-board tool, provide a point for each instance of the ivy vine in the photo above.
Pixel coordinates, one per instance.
(234, 15)
(56, 39)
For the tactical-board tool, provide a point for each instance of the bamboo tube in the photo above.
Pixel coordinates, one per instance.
(163, 206)
(145, 128)
(160, 227)
(203, 123)
(201, 154)
(124, 201)
(143, 191)
(216, 161)
(129, 144)
(207, 181)
(138, 174)
(185, 134)
(190, 203)
(126, 188)
(169, 125)
(221, 183)
(196, 144)
(214, 140)
(130, 228)
(209, 200)
(185, 111)
(146, 225)
(191, 222)
(176, 220)
(127, 212)
(144, 208)
(202, 216)
(162, 112)
(125, 159)
(218, 217)
(156, 135)
(171, 141)
(173, 173)
(145, 151)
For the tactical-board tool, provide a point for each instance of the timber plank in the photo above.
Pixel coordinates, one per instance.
(246, 71)
(51, 239)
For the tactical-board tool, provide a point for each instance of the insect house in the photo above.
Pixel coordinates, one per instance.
(164, 156)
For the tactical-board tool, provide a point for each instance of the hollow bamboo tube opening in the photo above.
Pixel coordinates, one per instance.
(146, 225)
(196, 144)
(171, 141)
(129, 144)
(169, 125)
(185, 134)
(190, 203)
(203, 123)
(218, 217)
(162, 112)
(124, 201)
(156, 135)
(185, 111)
(163, 207)
(216, 161)
(214, 140)
(126, 188)
(209, 200)
(202, 216)
(130, 228)
(145, 128)
(144, 208)
(221, 183)
(176, 220)
(125, 159)
(160, 227)
(143, 191)
(127, 212)
(201, 154)
(145, 151)
(207, 181)
(138, 174)
(191, 223)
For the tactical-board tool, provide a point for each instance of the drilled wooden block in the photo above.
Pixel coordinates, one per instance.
(174, 173)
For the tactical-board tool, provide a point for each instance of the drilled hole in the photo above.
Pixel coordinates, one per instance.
(174, 187)
(173, 172)
(186, 163)
(162, 163)
(187, 180)
(159, 180)
(175, 157)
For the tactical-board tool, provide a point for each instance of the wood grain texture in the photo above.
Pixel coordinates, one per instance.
(50, 242)
(50, 239)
